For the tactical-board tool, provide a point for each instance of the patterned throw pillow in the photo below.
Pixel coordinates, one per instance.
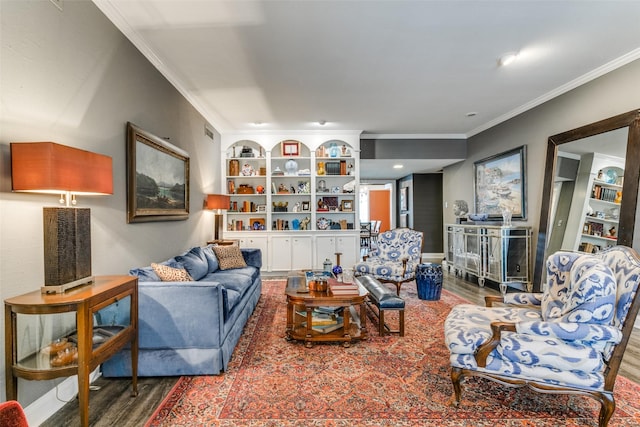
(229, 257)
(170, 274)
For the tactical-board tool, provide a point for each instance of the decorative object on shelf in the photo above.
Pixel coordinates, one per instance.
(478, 216)
(322, 186)
(303, 187)
(618, 198)
(231, 186)
(261, 208)
(290, 148)
(331, 203)
(506, 216)
(291, 166)
(322, 223)
(500, 181)
(234, 167)
(304, 224)
(46, 167)
(349, 187)
(262, 171)
(245, 189)
(326, 265)
(277, 172)
(321, 152)
(296, 207)
(334, 151)
(257, 223)
(305, 206)
(460, 210)
(295, 224)
(611, 176)
(345, 151)
(320, 170)
(346, 205)
(335, 189)
(282, 189)
(247, 152)
(260, 189)
(332, 168)
(247, 170)
(280, 206)
(217, 202)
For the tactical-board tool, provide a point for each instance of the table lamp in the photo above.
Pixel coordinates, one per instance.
(218, 202)
(47, 167)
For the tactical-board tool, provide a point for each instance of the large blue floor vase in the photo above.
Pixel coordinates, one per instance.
(429, 281)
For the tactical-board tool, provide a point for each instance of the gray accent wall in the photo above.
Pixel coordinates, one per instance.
(71, 77)
(614, 93)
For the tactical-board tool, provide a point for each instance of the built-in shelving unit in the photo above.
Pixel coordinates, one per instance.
(287, 190)
(595, 209)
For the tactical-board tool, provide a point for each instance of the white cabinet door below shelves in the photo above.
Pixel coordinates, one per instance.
(328, 246)
(301, 253)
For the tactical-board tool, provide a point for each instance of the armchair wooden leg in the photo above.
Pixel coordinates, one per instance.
(456, 376)
(608, 405)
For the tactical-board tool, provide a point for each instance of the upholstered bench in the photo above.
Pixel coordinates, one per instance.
(383, 299)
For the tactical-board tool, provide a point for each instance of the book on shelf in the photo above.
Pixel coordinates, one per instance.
(325, 329)
(320, 318)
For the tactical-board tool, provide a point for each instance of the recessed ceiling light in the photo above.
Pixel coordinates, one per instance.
(507, 59)
(471, 114)
(257, 123)
(322, 122)
(398, 166)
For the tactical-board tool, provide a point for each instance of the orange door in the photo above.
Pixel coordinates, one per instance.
(380, 208)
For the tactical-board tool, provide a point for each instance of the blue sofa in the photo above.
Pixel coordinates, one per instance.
(188, 328)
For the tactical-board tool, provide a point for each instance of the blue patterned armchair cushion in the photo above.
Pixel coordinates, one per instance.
(393, 247)
(582, 290)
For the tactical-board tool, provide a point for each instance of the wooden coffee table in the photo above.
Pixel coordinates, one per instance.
(301, 300)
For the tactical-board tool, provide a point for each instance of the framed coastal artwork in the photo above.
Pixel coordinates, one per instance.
(157, 178)
(500, 184)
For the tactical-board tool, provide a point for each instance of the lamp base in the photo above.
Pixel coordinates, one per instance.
(60, 289)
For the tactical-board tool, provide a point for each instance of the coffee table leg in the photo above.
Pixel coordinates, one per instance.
(289, 331)
(308, 343)
(363, 321)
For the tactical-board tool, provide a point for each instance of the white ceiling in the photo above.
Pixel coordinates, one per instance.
(386, 67)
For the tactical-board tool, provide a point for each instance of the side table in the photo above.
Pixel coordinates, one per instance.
(58, 350)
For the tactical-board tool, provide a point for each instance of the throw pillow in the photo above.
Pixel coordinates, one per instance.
(229, 257)
(170, 274)
(194, 262)
(211, 258)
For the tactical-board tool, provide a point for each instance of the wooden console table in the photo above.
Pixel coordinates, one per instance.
(95, 342)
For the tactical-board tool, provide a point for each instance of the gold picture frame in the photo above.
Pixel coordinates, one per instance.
(346, 205)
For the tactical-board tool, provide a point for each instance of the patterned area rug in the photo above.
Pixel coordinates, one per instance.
(383, 381)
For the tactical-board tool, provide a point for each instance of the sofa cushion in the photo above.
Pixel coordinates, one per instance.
(195, 262)
(211, 258)
(229, 257)
(170, 274)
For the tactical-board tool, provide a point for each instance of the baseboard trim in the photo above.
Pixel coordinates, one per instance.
(48, 404)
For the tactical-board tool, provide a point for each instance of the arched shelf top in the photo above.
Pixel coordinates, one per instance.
(245, 148)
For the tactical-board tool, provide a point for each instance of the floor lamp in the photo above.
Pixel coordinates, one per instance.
(47, 167)
(217, 202)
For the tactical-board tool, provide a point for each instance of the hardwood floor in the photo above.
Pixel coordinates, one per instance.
(112, 404)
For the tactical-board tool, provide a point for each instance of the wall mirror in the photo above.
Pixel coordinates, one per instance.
(591, 180)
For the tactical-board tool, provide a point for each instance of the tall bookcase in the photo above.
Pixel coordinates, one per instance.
(294, 195)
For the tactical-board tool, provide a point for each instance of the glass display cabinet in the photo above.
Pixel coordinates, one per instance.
(58, 335)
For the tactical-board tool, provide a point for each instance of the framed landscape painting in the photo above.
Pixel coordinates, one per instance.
(157, 178)
(500, 184)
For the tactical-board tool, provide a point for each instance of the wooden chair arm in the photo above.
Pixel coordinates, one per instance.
(404, 266)
(485, 349)
(489, 300)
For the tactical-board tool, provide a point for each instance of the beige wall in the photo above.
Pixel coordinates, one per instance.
(71, 77)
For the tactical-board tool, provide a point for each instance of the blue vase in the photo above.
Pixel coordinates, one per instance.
(429, 281)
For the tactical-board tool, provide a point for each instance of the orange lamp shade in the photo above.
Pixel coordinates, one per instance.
(218, 201)
(47, 167)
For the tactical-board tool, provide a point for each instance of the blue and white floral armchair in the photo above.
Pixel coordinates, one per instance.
(395, 258)
(568, 339)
